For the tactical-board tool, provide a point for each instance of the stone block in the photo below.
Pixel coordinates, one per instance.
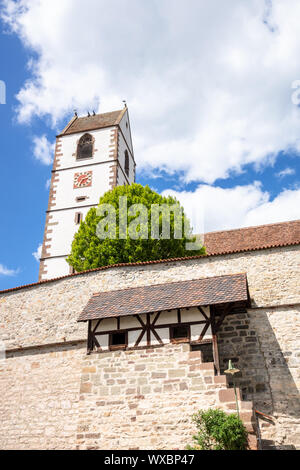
(86, 387)
(220, 379)
(176, 373)
(228, 395)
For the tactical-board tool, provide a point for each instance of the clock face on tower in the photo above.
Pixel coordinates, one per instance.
(83, 180)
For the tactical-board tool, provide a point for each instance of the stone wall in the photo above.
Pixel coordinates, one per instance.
(39, 394)
(265, 345)
(48, 313)
(41, 405)
(145, 399)
(60, 398)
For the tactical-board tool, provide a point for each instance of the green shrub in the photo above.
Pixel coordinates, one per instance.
(219, 431)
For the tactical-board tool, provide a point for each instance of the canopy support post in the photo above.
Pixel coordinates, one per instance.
(90, 338)
(214, 340)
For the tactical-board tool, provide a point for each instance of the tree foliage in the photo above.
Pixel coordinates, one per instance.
(219, 431)
(89, 251)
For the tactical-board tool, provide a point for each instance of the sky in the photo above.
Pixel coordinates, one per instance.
(213, 91)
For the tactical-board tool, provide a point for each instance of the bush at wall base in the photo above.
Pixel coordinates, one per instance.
(219, 431)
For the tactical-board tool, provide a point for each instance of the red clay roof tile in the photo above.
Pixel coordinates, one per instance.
(168, 296)
(88, 123)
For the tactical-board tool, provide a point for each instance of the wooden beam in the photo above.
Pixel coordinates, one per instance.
(226, 311)
(167, 325)
(95, 341)
(156, 335)
(148, 329)
(139, 338)
(156, 318)
(178, 315)
(140, 320)
(97, 324)
(214, 340)
(203, 313)
(207, 324)
(90, 344)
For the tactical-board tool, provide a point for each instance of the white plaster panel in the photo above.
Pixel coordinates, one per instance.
(143, 342)
(103, 340)
(167, 317)
(193, 314)
(196, 331)
(133, 336)
(163, 333)
(129, 322)
(107, 324)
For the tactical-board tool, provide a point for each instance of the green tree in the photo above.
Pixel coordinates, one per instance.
(90, 251)
(219, 431)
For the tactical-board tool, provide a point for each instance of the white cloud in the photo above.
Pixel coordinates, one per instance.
(285, 172)
(43, 150)
(4, 271)
(48, 183)
(38, 253)
(208, 85)
(241, 206)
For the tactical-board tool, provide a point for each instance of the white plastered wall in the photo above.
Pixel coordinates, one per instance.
(63, 226)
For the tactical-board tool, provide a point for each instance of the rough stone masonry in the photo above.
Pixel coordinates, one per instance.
(54, 396)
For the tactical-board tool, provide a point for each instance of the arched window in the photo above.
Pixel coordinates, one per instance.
(85, 147)
(126, 163)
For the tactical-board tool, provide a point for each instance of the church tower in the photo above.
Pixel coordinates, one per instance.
(93, 154)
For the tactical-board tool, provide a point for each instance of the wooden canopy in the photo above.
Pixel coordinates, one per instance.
(156, 298)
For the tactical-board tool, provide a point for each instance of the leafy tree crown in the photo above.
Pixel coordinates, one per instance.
(89, 251)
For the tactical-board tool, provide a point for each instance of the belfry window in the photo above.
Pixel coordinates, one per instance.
(126, 163)
(85, 147)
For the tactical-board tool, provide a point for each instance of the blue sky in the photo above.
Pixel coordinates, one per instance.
(212, 119)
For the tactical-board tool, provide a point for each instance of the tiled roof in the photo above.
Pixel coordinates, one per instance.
(217, 243)
(155, 298)
(252, 238)
(89, 123)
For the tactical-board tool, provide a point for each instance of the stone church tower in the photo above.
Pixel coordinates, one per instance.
(93, 154)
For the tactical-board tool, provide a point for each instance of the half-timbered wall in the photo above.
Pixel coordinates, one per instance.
(153, 329)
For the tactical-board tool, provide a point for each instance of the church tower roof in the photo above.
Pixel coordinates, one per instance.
(97, 121)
